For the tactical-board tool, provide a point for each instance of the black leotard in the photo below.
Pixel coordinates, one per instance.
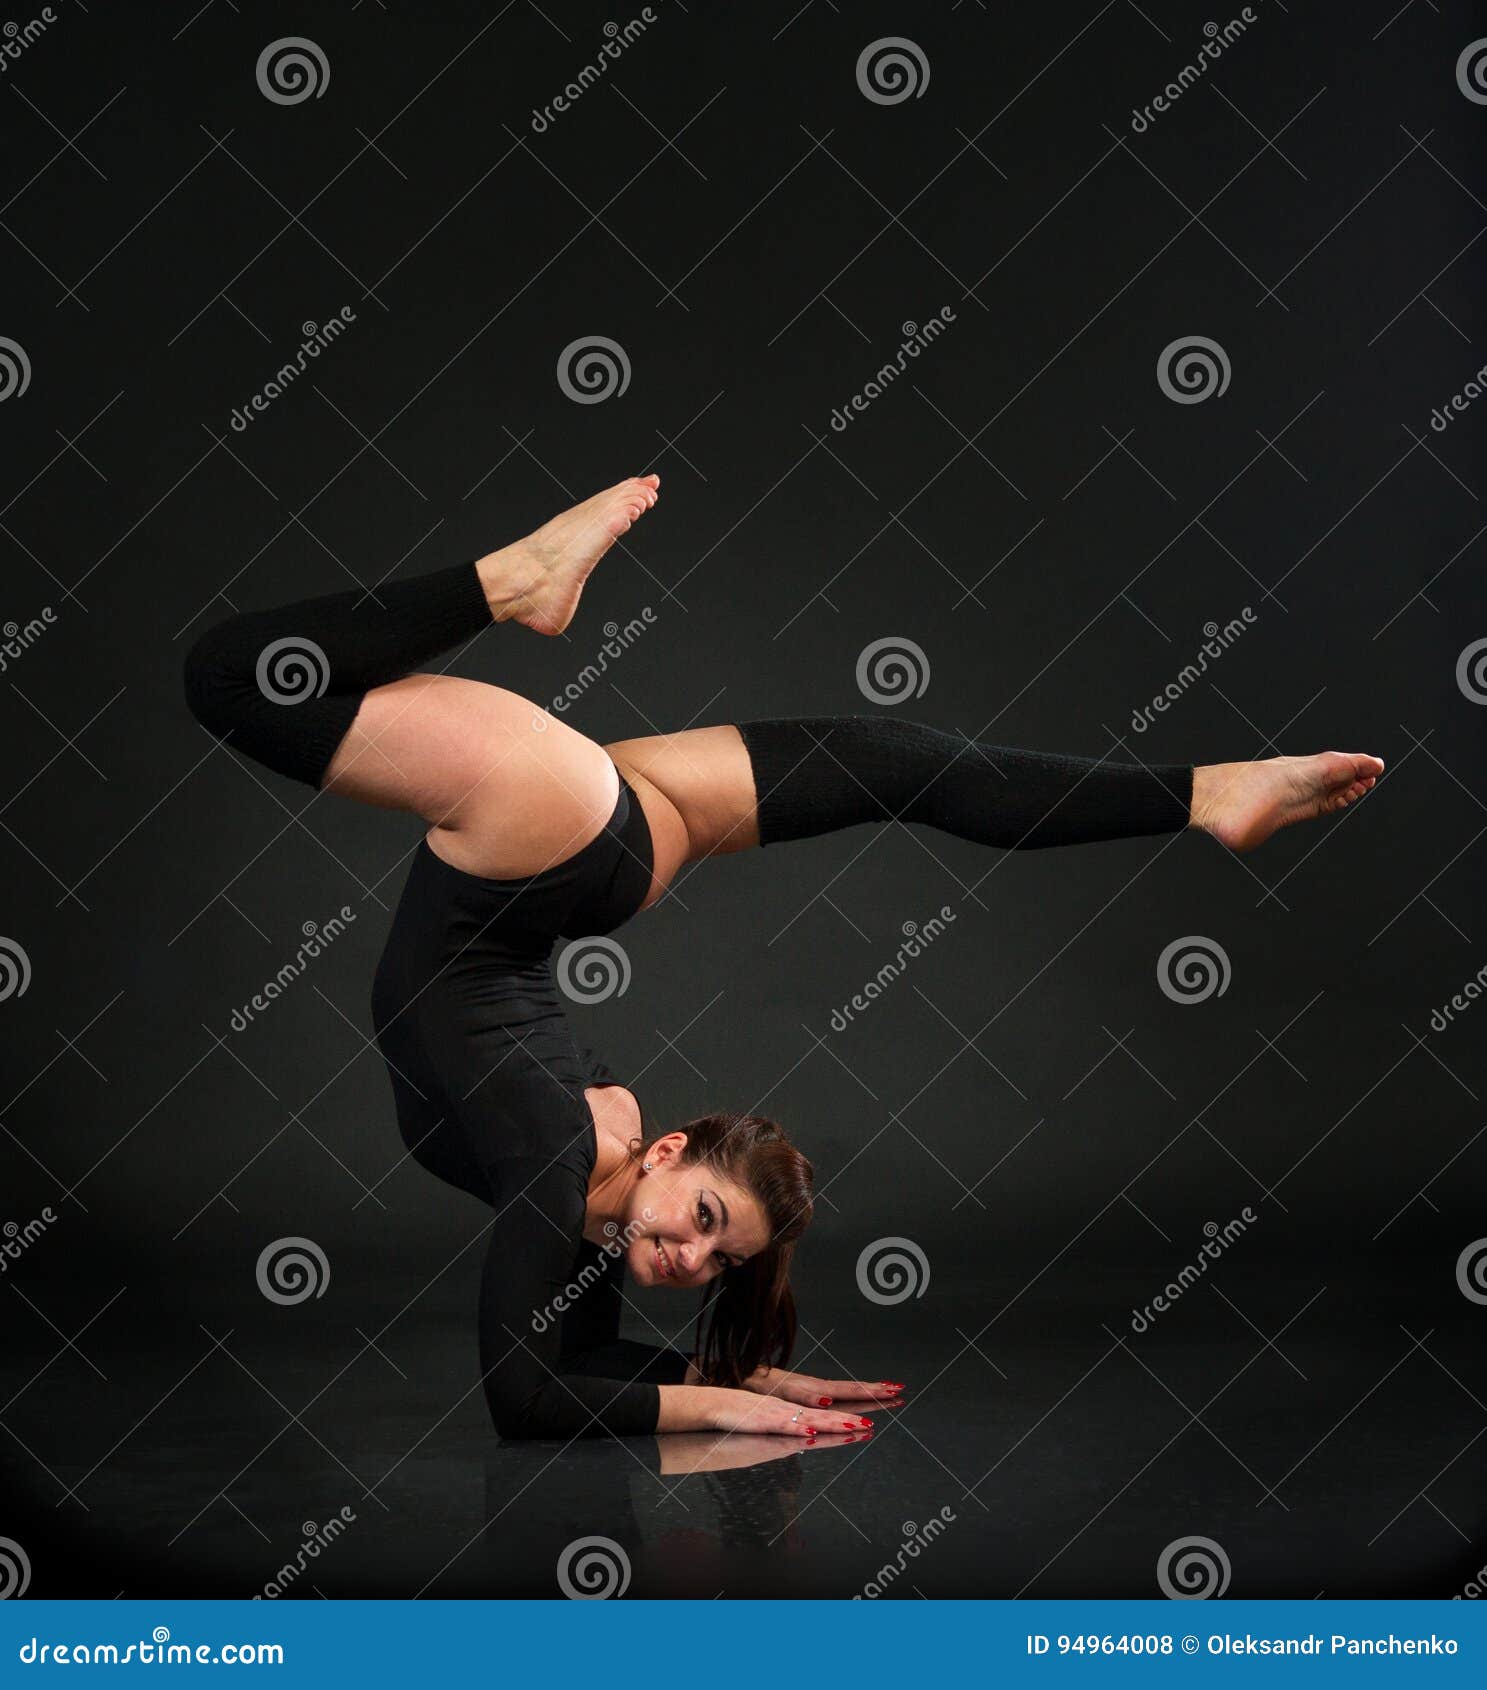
(489, 1085)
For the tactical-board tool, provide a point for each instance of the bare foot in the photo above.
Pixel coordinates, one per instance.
(1242, 804)
(538, 580)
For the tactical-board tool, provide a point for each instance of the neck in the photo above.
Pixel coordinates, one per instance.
(616, 1172)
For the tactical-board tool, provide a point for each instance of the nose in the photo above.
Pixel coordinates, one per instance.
(687, 1256)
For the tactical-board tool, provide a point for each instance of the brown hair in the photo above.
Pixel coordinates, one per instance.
(749, 1310)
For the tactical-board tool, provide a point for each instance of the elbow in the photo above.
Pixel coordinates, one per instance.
(516, 1418)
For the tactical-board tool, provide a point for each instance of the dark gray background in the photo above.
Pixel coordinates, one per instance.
(1025, 504)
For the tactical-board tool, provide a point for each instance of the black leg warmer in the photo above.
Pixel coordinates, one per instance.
(827, 772)
(283, 686)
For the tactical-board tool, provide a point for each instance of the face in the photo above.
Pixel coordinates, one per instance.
(686, 1224)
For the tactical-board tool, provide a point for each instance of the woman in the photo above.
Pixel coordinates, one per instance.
(536, 833)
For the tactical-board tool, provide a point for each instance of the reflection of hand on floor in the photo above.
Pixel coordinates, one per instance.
(707, 1452)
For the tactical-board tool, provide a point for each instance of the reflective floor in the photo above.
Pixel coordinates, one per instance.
(1324, 1441)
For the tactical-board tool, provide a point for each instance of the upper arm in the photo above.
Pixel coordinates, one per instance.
(530, 1287)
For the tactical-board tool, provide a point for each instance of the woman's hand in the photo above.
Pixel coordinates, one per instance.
(753, 1411)
(823, 1393)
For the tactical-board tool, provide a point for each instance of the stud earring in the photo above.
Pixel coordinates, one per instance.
(645, 1167)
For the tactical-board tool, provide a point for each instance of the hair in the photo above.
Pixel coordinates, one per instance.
(747, 1319)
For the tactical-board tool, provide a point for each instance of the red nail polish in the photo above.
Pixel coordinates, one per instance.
(810, 1431)
(823, 1402)
(866, 1422)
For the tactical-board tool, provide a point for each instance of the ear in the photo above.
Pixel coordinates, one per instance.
(670, 1148)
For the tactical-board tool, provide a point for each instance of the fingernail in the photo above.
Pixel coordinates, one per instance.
(866, 1422)
(810, 1431)
(823, 1402)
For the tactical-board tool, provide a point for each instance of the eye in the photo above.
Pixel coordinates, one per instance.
(704, 1215)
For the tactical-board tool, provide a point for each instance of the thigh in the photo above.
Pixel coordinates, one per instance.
(703, 777)
(507, 789)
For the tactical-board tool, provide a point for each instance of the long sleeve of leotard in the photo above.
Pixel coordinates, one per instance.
(284, 685)
(532, 1285)
(591, 1341)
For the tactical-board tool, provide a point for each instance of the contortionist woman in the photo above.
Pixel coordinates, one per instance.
(536, 834)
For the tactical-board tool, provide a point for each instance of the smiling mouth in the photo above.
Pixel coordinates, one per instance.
(663, 1261)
